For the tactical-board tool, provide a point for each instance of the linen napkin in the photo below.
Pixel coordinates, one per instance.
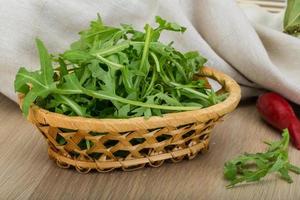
(255, 54)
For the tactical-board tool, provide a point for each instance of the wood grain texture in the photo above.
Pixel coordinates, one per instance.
(27, 173)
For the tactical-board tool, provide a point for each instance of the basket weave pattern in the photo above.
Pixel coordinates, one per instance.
(132, 143)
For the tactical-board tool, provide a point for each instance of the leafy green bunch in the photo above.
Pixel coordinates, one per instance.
(117, 72)
(291, 20)
(253, 167)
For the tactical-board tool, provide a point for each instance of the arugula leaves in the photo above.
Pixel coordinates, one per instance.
(117, 72)
(291, 20)
(36, 84)
(253, 167)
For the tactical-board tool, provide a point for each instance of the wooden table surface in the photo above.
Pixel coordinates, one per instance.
(27, 173)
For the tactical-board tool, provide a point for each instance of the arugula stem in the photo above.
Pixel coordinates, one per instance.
(102, 95)
(128, 85)
(110, 63)
(150, 87)
(75, 107)
(168, 70)
(180, 69)
(67, 91)
(111, 50)
(154, 75)
(85, 76)
(100, 32)
(155, 61)
(145, 53)
(190, 90)
(167, 81)
(99, 94)
(293, 168)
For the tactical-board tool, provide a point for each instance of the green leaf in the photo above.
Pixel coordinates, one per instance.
(123, 111)
(73, 105)
(30, 97)
(117, 72)
(72, 84)
(285, 174)
(144, 65)
(25, 77)
(112, 49)
(108, 78)
(294, 168)
(110, 63)
(230, 171)
(279, 164)
(41, 83)
(253, 167)
(46, 63)
(292, 18)
(62, 67)
(77, 56)
(169, 100)
(164, 25)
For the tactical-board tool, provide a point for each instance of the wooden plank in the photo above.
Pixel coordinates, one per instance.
(23, 160)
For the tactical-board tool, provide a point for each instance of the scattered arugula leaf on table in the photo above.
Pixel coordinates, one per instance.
(117, 72)
(253, 167)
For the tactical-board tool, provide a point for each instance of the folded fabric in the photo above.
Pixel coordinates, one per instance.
(258, 57)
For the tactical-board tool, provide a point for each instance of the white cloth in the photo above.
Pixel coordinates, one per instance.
(255, 55)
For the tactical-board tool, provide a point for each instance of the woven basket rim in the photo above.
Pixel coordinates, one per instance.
(43, 116)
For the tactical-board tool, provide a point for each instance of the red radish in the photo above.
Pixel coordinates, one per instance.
(278, 112)
(294, 130)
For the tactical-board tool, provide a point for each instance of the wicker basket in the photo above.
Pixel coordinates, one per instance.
(132, 143)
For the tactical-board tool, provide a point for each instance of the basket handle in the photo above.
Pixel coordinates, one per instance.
(227, 83)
